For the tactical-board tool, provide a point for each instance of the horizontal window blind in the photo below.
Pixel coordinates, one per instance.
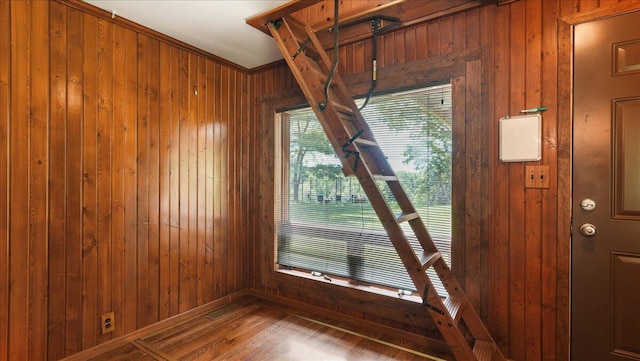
(325, 222)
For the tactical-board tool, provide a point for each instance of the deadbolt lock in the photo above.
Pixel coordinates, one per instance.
(588, 204)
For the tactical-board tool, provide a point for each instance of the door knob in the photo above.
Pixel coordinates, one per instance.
(588, 230)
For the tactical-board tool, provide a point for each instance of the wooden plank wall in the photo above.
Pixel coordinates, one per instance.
(122, 165)
(520, 256)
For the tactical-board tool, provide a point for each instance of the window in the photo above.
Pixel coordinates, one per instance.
(325, 223)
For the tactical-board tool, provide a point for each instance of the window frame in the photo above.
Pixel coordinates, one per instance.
(468, 212)
(372, 236)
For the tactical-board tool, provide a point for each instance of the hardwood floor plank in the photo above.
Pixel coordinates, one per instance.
(152, 352)
(250, 328)
(217, 318)
(220, 340)
(128, 352)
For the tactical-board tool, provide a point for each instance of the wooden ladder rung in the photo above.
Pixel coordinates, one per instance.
(342, 108)
(299, 31)
(483, 350)
(427, 259)
(405, 217)
(345, 117)
(311, 53)
(454, 306)
(321, 76)
(370, 143)
(341, 121)
(386, 178)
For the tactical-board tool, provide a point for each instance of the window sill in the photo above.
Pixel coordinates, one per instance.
(339, 282)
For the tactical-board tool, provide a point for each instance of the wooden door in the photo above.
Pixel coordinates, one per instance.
(606, 170)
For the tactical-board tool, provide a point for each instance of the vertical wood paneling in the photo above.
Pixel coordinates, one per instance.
(130, 137)
(192, 185)
(209, 161)
(223, 121)
(569, 7)
(201, 179)
(498, 318)
(458, 165)
(125, 191)
(472, 28)
(19, 189)
(174, 185)
(164, 154)
(459, 32)
(399, 47)
(533, 217)
(111, 167)
(232, 181)
(185, 89)
(517, 247)
(103, 168)
(89, 185)
(473, 172)
(118, 179)
(57, 214)
(143, 154)
(39, 180)
(118, 171)
(586, 5)
(550, 201)
(446, 35)
(153, 301)
(246, 171)
(73, 192)
(217, 182)
(489, 137)
(533, 202)
(516, 236)
(5, 100)
(422, 41)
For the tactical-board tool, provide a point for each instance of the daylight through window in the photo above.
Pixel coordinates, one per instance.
(325, 222)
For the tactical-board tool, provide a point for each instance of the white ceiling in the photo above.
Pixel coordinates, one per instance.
(216, 26)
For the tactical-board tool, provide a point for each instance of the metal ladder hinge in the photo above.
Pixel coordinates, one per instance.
(350, 152)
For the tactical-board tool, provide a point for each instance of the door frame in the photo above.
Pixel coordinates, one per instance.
(565, 160)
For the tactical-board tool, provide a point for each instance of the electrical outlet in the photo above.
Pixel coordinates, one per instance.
(107, 321)
(536, 176)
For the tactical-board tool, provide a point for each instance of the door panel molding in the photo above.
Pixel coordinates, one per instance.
(625, 296)
(626, 57)
(626, 137)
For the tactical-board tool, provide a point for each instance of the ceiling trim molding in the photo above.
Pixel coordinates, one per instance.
(117, 20)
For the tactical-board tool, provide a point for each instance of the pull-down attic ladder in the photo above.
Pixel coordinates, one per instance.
(353, 141)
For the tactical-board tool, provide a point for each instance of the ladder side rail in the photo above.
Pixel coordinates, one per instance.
(467, 311)
(447, 312)
(300, 64)
(387, 217)
(288, 46)
(388, 221)
(344, 96)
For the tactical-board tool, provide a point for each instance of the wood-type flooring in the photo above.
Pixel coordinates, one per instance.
(250, 328)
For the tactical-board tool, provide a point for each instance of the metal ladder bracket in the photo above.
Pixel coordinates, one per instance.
(428, 305)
